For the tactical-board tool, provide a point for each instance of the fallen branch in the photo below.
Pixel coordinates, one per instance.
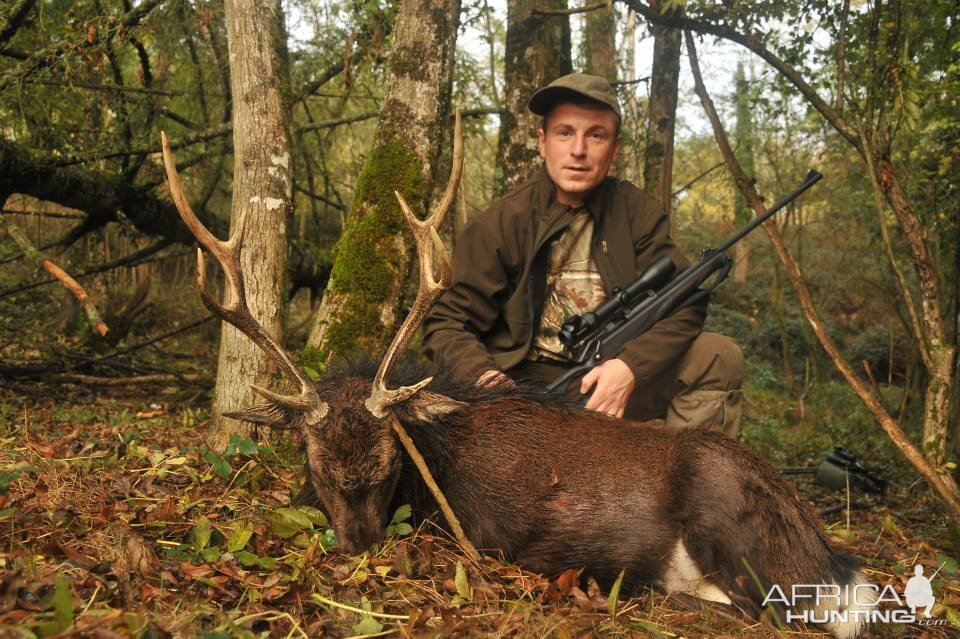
(93, 380)
(68, 282)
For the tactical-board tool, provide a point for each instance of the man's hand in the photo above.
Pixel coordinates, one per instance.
(614, 382)
(493, 378)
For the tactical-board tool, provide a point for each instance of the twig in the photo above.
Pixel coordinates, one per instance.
(153, 340)
(71, 284)
(93, 380)
(421, 465)
(359, 611)
(337, 122)
(697, 179)
(569, 12)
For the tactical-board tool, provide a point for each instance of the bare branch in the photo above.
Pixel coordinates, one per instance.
(68, 282)
(16, 17)
(569, 12)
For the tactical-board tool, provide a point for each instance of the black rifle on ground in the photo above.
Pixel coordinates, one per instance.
(602, 333)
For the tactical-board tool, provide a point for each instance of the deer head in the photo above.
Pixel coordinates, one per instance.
(353, 456)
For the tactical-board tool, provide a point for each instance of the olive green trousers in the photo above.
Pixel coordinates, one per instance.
(701, 391)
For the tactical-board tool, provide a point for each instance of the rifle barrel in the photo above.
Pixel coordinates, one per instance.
(812, 178)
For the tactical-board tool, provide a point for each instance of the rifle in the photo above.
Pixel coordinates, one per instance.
(601, 334)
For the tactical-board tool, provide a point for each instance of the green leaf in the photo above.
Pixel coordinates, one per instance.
(247, 559)
(368, 626)
(311, 373)
(210, 555)
(402, 514)
(221, 466)
(62, 603)
(329, 539)
(953, 617)
(201, 532)
(315, 515)
(267, 563)
(615, 595)
(287, 522)
(5, 479)
(403, 529)
(463, 583)
(247, 447)
(239, 536)
(949, 564)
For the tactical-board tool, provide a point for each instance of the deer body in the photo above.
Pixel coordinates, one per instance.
(553, 487)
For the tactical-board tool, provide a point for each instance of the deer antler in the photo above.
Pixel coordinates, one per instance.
(429, 245)
(234, 309)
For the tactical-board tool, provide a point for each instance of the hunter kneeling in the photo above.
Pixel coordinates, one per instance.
(557, 246)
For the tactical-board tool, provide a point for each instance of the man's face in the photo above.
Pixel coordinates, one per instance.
(578, 146)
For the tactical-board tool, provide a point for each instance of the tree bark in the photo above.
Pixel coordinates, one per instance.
(744, 153)
(262, 189)
(537, 52)
(662, 115)
(361, 304)
(599, 43)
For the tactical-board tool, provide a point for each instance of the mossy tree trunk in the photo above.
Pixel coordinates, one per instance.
(360, 310)
(662, 114)
(537, 52)
(600, 49)
(261, 186)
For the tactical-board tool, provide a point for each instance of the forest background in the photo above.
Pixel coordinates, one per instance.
(308, 115)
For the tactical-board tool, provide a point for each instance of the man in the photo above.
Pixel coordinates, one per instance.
(558, 245)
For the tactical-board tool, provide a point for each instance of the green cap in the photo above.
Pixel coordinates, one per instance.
(576, 86)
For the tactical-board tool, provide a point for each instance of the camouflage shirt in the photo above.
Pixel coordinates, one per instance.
(573, 287)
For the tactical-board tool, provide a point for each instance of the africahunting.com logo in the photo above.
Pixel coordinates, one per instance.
(860, 603)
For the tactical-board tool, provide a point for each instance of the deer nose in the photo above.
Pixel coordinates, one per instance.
(357, 540)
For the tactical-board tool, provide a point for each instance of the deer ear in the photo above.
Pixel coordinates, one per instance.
(427, 406)
(269, 414)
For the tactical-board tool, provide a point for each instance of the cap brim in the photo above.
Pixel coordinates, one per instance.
(546, 97)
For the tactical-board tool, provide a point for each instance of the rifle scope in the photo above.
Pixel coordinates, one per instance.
(654, 277)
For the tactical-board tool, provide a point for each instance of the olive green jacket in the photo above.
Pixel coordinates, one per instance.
(486, 320)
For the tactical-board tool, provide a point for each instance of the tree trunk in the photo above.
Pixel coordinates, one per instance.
(599, 43)
(361, 305)
(537, 52)
(744, 153)
(261, 188)
(662, 115)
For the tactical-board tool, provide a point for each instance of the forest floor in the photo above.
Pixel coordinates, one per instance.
(116, 521)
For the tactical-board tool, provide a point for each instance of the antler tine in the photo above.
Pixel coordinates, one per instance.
(429, 245)
(456, 173)
(234, 309)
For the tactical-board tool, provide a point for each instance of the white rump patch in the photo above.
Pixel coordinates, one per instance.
(683, 575)
(856, 623)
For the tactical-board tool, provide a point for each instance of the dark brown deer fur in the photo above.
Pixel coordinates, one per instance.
(554, 487)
